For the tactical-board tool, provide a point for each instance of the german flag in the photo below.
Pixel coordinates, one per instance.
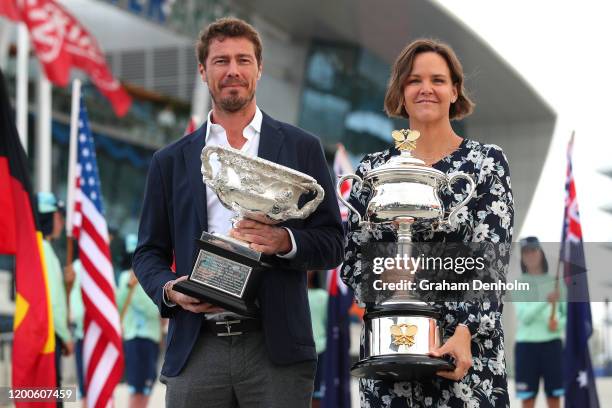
(33, 340)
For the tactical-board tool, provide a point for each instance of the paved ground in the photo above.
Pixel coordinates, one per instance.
(604, 388)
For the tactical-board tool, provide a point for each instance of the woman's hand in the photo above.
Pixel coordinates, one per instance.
(459, 347)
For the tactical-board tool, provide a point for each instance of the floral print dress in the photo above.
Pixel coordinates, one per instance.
(487, 217)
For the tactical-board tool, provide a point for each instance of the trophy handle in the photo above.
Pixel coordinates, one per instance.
(472, 187)
(207, 173)
(339, 193)
(310, 206)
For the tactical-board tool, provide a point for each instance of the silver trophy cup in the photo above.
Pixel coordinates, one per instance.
(400, 332)
(227, 271)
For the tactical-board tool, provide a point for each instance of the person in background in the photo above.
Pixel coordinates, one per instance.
(141, 331)
(317, 299)
(72, 275)
(539, 348)
(51, 224)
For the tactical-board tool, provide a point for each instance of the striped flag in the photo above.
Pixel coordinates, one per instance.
(102, 347)
(579, 382)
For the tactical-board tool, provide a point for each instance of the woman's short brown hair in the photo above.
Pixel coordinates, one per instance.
(394, 98)
(223, 28)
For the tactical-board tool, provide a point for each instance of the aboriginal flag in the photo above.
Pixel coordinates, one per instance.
(33, 340)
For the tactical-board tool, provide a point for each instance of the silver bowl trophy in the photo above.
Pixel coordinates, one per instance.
(227, 271)
(401, 331)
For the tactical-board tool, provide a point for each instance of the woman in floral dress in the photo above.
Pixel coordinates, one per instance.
(426, 87)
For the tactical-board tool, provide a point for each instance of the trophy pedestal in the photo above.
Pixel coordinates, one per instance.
(399, 367)
(226, 274)
(397, 340)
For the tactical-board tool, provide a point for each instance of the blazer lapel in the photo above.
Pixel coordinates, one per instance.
(193, 164)
(270, 139)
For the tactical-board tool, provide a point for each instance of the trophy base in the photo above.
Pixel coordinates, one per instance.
(236, 305)
(400, 368)
(226, 274)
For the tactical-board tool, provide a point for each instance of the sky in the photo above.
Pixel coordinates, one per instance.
(562, 50)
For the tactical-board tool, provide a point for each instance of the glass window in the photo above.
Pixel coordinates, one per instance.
(342, 99)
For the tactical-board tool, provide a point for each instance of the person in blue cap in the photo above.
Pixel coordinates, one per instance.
(539, 348)
(51, 219)
(141, 331)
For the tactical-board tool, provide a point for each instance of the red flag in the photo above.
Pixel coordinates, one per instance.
(191, 126)
(61, 42)
(9, 9)
(33, 340)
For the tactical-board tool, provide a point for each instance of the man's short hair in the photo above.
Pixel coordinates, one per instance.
(223, 28)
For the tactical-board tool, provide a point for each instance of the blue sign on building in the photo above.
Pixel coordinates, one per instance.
(156, 10)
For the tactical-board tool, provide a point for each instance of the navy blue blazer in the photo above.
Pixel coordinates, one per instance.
(174, 215)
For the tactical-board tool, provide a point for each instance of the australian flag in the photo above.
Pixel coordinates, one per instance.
(579, 381)
(336, 386)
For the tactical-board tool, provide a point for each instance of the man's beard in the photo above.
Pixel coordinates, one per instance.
(233, 102)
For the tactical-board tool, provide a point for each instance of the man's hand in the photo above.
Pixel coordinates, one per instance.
(133, 280)
(190, 303)
(67, 348)
(69, 275)
(459, 347)
(553, 296)
(264, 238)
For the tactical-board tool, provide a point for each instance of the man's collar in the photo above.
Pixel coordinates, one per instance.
(255, 124)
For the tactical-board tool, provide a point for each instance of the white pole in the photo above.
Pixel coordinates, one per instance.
(6, 29)
(43, 134)
(200, 101)
(70, 185)
(23, 54)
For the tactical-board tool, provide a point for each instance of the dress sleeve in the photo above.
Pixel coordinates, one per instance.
(494, 218)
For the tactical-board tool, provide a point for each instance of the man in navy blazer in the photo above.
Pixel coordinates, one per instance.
(268, 361)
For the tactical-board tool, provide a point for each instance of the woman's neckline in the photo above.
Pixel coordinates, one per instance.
(461, 145)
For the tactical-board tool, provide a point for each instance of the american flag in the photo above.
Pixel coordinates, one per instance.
(102, 347)
(579, 381)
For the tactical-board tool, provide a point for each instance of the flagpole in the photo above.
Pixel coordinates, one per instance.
(552, 321)
(21, 108)
(71, 183)
(43, 133)
(5, 42)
